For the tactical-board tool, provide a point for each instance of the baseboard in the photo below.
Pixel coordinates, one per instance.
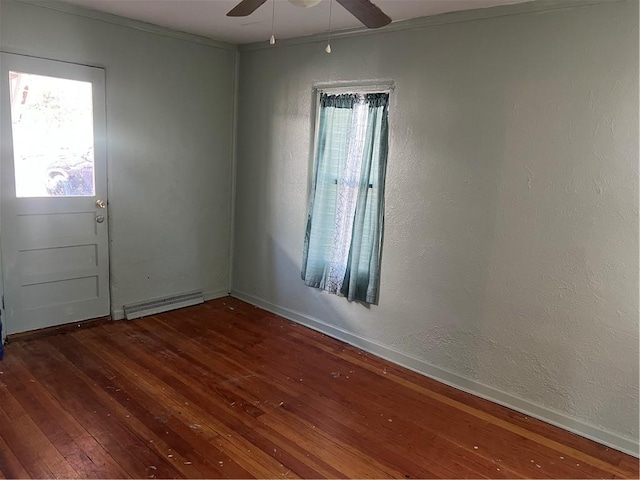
(212, 295)
(473, 387)
(118, 313)
(154, 306)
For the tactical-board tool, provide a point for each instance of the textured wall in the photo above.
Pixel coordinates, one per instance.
(511, 241)
(169, 123)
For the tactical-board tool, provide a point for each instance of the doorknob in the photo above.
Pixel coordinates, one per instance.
(101, 204)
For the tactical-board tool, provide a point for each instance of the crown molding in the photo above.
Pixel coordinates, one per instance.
(130, 23)
(536, 6)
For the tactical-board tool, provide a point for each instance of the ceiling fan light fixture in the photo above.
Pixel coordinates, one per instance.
(304, 3)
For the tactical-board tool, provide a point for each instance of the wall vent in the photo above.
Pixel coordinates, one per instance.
(143, 309)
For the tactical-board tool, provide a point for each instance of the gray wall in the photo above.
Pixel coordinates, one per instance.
(169, 121)
(510, 254)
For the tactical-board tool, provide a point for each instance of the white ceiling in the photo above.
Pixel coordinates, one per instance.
(208, 17)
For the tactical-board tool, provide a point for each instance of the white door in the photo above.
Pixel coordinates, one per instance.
(53, 197)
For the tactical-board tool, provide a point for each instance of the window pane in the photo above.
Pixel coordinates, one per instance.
(52, 124)
(342, 247)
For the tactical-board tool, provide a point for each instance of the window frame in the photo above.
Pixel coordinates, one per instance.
(338, 88)
(354, 88)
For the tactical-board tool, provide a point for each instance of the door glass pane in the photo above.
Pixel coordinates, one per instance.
(52, 123)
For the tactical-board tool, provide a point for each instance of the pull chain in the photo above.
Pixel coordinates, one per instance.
(328, 47)
(272, 40)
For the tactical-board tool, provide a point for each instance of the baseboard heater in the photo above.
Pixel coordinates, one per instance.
(159, 305)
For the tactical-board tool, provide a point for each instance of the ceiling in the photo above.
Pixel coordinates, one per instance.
(208, 17)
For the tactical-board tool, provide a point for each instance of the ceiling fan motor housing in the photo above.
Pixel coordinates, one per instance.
(304, 3)
(364, 10)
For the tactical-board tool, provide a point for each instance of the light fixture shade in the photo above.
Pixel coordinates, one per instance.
(304, 3)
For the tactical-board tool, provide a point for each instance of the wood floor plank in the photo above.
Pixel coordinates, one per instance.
(541, 440)
(193, 353)
(49, 425)
(268, 390)
(227, 390)
(145, 424)
(128, 450)
(381, 469)
(26, 442)
(629, 466)
(334, 441)
(174, 399)
(10, 466)
(105, 467)
(532, 468)
(562, 436)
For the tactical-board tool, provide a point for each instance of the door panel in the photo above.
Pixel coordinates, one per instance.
(52, 177)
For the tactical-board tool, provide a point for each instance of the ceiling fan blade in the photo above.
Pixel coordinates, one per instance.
(245, 7)
(365, 11)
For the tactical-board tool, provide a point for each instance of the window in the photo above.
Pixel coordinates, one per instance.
(343, 239)
(52, 125)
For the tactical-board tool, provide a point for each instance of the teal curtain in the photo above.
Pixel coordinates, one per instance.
(343, 239)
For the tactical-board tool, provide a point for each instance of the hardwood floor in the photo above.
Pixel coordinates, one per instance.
(225, 389)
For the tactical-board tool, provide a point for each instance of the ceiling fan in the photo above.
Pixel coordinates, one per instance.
(364, 10)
